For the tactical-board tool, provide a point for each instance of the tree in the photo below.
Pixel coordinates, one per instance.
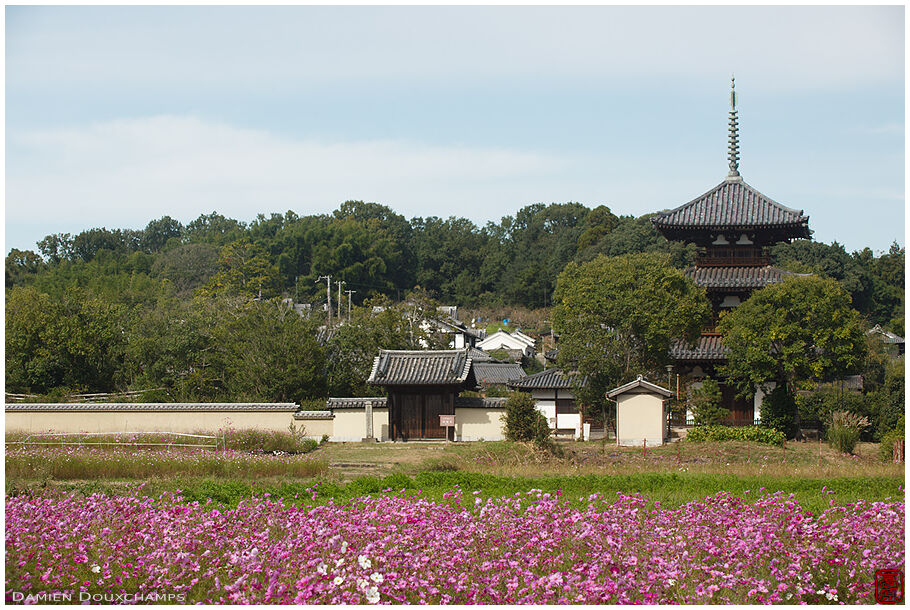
(802, 328)
(705, 403)
(617, 318)
(523, 421)
(244, 270)
(21, 266)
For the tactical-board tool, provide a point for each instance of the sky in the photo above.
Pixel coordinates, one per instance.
(116, 116)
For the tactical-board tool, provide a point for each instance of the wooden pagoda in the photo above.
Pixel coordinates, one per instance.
(733, 226)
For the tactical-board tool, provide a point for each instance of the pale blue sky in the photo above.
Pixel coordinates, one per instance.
(116, 116)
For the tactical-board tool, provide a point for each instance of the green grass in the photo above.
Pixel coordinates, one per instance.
(667, 489)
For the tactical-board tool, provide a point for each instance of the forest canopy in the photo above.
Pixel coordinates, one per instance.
(109, 309)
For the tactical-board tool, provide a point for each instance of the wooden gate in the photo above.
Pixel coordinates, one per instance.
(414, 414)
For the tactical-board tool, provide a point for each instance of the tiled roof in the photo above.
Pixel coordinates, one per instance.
(488, 373)
(706, 349)
(887, 337)
(736, 277)
(440, 367)
(548, 379)
(733, 204)
(552, 355)
(313, 415)
(478, 355)
(639, 383)
(379, 402)
(153, 406)
(471, 402)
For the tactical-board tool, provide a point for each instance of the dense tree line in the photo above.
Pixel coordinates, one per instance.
(170, 305)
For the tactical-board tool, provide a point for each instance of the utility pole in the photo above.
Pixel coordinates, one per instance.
(328, 294)
(339, 283)
(296, 291)
(349, 293)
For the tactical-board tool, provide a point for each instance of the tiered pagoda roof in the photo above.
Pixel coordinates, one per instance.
(737, 278)
(707, 348)
(732, 205)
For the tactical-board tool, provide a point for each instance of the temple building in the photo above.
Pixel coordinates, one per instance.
(733, 226)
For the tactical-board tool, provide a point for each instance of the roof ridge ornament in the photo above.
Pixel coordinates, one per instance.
(733, 154)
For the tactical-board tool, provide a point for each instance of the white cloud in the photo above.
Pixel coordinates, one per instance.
(775, 47)
(126, 172)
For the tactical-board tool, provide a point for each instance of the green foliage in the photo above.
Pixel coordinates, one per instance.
(270, 441)
(844, 429)
(523, 422)
(618, 316)
(77, 343)
(705, 403)
(754, 434)
(802, 328)
(778, 411)
(886, 449)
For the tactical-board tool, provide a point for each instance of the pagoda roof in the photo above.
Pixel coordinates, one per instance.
(707, 348)
(732, 205)
(746, 278)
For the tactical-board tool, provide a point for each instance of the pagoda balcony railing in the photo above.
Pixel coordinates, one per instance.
(732, 261)
(710, 331)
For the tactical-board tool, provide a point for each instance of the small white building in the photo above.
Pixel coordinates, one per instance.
(553, 395)
(642, 412)
(512, 343)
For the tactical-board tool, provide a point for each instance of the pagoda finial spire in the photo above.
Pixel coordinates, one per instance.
(733, 154)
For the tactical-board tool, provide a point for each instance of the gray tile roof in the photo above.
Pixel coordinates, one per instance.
(440, 367)
(379, 402)
(736, 277)
(733, 204)
(489, 373)
(545, 380)
(887, 337)
(313, 415)
(639, 383)
(708, 348)
(471, 402)
(154, 406)
(478, 355)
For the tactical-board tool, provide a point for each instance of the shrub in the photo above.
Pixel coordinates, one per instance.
(886, 449)
(706, 405)
(844, 429)
(523, 422)
(754, 434)
(778, 412)
(254, 439)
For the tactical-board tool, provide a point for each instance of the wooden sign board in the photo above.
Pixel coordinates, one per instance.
(446, 420)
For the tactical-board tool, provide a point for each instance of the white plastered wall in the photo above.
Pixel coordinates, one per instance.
(478, 424)
(160, 421)
(350, 425)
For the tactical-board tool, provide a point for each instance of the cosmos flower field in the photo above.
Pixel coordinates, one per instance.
(532, 547)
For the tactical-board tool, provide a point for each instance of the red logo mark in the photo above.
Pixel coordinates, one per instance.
(889, 586)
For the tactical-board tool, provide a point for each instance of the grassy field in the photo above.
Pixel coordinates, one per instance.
(670, 475)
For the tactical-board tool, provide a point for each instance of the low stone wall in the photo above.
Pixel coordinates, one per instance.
(160, 417)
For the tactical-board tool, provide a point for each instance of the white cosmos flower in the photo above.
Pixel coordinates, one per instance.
(372, 595)
(344, 547)
(339, 580)
(364, 562)
(96, 568)
(376, 577)
(322, 569)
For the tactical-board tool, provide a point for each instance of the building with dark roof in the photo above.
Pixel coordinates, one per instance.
(733, 225)
(490, 374)
(421, 386)
(553, 393)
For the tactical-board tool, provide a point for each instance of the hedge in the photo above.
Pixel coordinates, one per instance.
(754, 434)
